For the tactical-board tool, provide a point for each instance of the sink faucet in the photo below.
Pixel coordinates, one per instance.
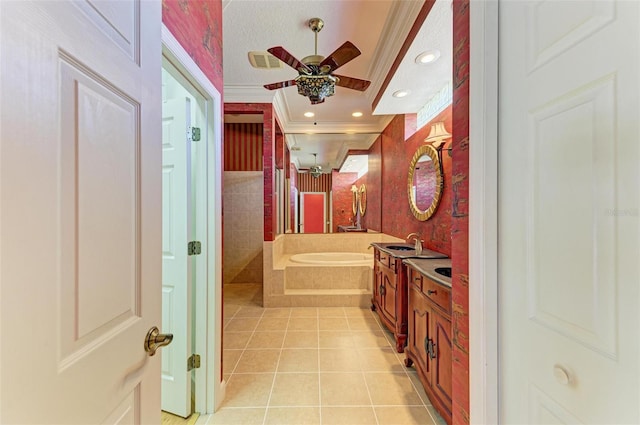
(418, 244)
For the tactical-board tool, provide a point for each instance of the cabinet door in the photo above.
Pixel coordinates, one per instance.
(441, 373)
(419, 315)
(377, 281)
(389, 293)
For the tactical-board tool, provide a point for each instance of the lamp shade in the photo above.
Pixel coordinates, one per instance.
(438, 133)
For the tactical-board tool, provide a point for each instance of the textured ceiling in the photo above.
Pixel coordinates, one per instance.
(377, 27)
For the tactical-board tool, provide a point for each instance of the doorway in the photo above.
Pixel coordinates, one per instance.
(193, 95)
(313, 206)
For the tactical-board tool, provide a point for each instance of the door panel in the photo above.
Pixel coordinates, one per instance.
(313, 212)
(420, 315)
(442, 372)
(176, 270)
(80, 220)
(568, 208)
(389, 294)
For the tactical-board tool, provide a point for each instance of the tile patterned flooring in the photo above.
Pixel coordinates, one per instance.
(313, 366)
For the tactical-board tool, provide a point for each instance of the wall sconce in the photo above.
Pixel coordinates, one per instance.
(437, 137)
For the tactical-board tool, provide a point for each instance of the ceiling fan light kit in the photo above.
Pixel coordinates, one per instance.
(316, 80)
(315, 170)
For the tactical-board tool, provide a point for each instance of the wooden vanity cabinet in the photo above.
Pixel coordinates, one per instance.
(429, 346)
(390, 295)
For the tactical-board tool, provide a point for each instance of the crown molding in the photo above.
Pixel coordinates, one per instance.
(247, 94)
(396, 28)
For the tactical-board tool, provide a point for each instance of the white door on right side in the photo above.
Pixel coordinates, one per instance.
(569, 220)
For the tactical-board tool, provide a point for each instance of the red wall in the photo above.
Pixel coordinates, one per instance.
(197, 25)
(372, 218)
(243, 147)
(343, 198)
(460, 212)
(397, 219)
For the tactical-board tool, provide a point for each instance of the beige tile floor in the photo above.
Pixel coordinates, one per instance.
(313, 366)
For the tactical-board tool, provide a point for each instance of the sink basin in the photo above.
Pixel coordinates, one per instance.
(399, 248)
(444, 271)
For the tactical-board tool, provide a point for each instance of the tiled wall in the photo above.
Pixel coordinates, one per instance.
(268, 151)
(243, 191)
(197, 25)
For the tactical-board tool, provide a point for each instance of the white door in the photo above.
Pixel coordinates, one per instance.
(176, 267)
(80, 228)
(569, 225)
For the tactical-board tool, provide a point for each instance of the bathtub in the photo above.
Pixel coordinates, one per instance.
(334, 258)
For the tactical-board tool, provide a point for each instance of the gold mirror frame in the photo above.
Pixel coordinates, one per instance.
(433, 154)
(354, 200)
(363, 200)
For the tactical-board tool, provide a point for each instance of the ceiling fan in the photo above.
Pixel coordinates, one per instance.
(315, 170)
(316, 79)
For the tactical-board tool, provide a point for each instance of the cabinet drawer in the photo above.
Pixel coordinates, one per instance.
(437, 293)
(415, 279)
(385, 259)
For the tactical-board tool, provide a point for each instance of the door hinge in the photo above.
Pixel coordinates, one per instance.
(195, 134)
(194, 248)
(193, 362)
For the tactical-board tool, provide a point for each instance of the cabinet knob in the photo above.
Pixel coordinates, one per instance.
(561, 374)
(431, 291)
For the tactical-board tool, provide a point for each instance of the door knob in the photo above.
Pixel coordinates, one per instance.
(155, 340)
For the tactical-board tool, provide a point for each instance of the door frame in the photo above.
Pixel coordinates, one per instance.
(210, 385)
(324, 208)
(483, 217)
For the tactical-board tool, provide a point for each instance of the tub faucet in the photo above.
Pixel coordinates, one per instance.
(418, 244)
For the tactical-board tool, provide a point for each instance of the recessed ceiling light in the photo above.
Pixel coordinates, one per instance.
(309, 114)
(357, 114)
(428, 56)
(401, 93)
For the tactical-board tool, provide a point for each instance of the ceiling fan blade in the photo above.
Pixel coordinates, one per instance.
(289, 59)
(342, 55)
(281, 84)
(352, 83)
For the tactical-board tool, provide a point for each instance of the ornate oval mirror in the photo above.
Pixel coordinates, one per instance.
(354, 200)
(425, 182)
(363, 199)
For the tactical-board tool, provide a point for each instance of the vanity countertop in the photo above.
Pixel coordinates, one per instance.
(428, 268)
(408, 250)
(347, 228)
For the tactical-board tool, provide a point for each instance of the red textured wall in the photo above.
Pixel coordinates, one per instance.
(243, 147)
(460, 212)
(197, 25)
(397, 219)
(268, 151)
(280, 152)
(372, 218)
(343, 198)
